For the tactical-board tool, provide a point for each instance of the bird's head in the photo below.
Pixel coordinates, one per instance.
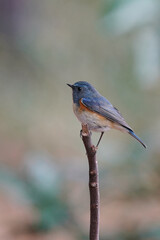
(82, 90)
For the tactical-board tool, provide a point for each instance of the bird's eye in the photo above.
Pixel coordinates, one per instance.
(79, 89)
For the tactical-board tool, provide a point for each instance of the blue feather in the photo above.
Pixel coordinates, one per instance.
(136, 137)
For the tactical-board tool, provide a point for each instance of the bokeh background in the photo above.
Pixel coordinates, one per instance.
(114, 45)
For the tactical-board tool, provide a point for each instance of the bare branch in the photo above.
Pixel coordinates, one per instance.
(93, 183)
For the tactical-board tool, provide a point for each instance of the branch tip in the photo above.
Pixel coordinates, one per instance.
(85, 131)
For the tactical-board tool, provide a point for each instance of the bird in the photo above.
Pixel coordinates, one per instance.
(95, 111)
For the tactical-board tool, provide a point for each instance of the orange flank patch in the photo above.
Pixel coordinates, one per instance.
(84, 108)
(95, 115)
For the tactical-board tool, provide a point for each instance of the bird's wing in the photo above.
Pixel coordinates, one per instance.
(103, 107)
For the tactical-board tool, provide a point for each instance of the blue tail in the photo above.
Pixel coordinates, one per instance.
(136, 137)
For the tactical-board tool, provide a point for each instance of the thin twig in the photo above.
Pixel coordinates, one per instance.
(93, 183)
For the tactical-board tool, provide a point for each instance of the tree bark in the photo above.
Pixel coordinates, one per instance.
(93, 183)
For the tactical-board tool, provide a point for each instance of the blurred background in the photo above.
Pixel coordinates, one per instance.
(114, 45)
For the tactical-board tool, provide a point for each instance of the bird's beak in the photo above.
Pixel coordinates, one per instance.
(70, 85)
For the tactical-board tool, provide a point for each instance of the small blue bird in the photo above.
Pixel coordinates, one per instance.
(91, 108)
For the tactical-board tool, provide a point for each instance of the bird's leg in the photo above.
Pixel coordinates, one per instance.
(99, 139)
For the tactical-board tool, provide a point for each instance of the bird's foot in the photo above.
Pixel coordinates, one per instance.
(94, 148)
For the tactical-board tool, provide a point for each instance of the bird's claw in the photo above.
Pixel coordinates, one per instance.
(94, 148)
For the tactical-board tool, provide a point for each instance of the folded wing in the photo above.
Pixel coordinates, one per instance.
(103, 107)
